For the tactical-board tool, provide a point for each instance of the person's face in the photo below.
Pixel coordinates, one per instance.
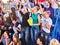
(14, 22)
(34, 9)
(5, 35)
(39, 42)
(46, 15)
(14, 38)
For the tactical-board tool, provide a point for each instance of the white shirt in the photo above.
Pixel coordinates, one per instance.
(48, 21)
(14, 28)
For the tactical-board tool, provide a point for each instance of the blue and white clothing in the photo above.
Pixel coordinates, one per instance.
(48, 21)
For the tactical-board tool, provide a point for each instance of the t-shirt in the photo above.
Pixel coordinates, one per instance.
(25, 17)
(48, 21)
(14, 28)
(35, 18)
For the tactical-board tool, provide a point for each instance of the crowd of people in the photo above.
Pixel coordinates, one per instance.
(28, 22)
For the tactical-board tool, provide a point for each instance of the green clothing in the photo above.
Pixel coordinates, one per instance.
(35, 18)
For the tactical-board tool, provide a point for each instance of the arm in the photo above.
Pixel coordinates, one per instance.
(47, 25)
(29, 6)
(18, 29)
(7, 43)
(11, 43)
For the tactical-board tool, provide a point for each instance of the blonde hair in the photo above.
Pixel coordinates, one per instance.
(17, 39)
(54, 42)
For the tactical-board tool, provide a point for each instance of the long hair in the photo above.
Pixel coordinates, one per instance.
(17, 39)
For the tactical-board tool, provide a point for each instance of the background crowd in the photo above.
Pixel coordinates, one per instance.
(30, 22)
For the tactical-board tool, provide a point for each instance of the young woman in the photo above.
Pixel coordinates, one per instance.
(36, 22)
(5, 39)
(15, 40)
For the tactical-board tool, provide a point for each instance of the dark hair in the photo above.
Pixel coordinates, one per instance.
(41, 39)
(50, 4)
(7, 33)
(13, 11)
(43, 7)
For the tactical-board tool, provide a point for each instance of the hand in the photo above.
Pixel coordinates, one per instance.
(6, 40)
(18, 29)
(43, 23)
(11, 43)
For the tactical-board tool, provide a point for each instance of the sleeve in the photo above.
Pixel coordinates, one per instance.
(19, 26)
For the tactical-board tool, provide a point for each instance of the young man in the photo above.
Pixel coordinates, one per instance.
(46, 25)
